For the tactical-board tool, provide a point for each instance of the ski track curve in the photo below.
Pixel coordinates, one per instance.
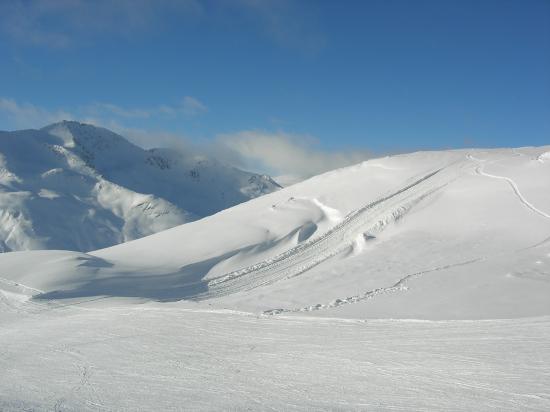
(479, 170)
(401, 285)
(371, 218)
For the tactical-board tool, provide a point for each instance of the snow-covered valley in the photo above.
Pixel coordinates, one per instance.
(411, 282)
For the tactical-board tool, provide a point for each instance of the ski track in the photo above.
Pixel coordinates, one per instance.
(370, 218)
(399, 286)
(513, 185)
(19, 285)
(30, 306)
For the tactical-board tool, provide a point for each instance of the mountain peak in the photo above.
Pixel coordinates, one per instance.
(73, 131)
(97, 146)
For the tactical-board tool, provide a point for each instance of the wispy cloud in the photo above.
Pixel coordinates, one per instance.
(62, 23)
(189, 106)
(295, 156)
(27, 115)
(289, 23)
(192, 107)
(290, 156)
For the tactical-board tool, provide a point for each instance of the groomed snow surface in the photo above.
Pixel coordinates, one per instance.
(411, 282)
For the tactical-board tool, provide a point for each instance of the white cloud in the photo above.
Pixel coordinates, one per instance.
(289, 156)
(295, 157)
(192, 106)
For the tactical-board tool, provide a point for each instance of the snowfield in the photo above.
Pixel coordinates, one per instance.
(165, 358)
(411, 282)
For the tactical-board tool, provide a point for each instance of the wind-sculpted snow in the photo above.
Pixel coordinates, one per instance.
(401, 285)
(369, 219)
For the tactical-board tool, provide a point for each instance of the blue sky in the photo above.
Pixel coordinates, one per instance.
(337, 77)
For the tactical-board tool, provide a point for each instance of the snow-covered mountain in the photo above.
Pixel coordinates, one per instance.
(79, 187)
(412, 282)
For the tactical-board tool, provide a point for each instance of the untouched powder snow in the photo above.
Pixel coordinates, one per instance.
(79, 187)
(286, 301)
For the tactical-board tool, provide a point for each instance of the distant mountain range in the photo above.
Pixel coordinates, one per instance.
(79, 187)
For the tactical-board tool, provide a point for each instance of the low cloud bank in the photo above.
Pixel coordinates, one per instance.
(289, 156)
(286, 156)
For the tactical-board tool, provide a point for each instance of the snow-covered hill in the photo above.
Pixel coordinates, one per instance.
(456, 234)
(271, 303)
(79, 187)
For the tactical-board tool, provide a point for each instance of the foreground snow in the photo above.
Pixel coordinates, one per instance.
(161, 357)
(232, 311)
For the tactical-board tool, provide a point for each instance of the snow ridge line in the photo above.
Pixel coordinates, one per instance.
(304, 256)
(305, 245)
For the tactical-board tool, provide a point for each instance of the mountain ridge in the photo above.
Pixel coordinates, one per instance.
(75, 186)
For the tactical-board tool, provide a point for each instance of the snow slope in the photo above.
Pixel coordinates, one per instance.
(395, 227)
(79, 187)
(285, 302)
